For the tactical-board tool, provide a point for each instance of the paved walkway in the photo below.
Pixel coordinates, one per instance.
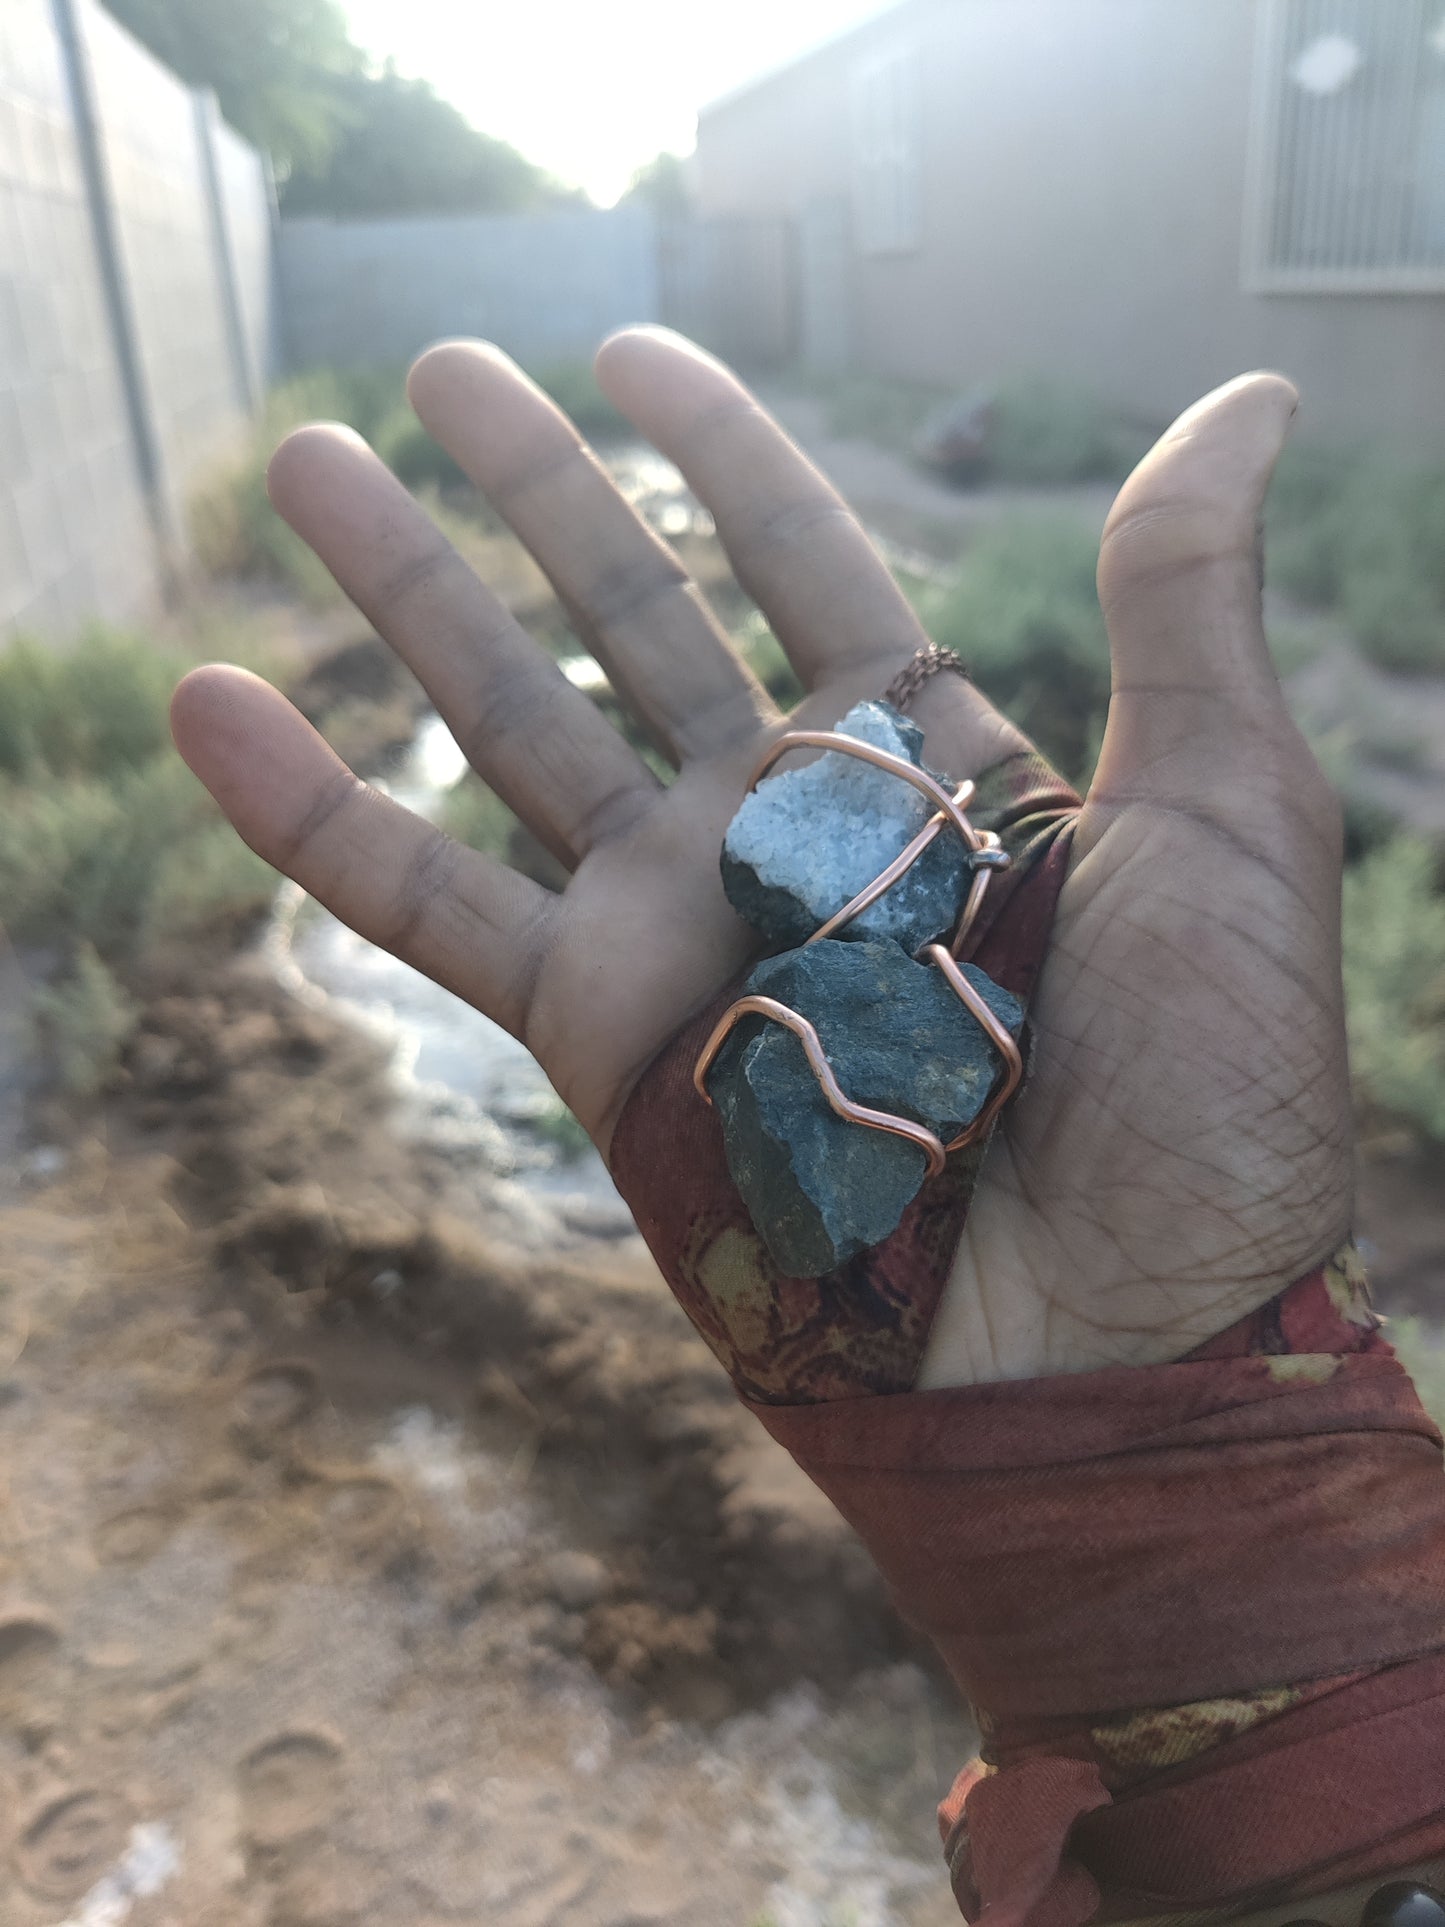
(911, 506)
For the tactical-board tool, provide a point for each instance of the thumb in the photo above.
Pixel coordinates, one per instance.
(1180, 579)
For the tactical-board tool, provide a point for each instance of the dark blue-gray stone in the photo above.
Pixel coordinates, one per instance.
(806, 841)
(818, 1189)
(1404, 1903)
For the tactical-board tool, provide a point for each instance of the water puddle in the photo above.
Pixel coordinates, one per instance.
(467, 1087)
(656, 489)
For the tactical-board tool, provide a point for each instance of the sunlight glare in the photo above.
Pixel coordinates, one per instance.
(588, 91)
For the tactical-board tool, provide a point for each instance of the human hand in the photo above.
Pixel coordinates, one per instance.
(1182, 1150)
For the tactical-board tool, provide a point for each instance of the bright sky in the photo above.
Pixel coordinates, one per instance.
(593, 88)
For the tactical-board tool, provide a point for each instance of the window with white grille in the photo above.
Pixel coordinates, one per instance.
(1348, 177)
(886, 153)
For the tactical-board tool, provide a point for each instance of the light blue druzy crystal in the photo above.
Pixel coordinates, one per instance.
(806, 841)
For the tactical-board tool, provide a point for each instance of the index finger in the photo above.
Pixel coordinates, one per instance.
(470, 924)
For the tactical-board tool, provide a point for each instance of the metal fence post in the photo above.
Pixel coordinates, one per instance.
(120, 310)
(248, 380)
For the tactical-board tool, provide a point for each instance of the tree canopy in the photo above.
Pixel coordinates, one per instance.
(663, 183)
(345, 140)
(274, 64)
(402, 149)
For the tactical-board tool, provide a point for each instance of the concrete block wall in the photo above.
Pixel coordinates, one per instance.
(74, 533)
(120, 373)
(546, 288)
(248, 210)
(168, 249)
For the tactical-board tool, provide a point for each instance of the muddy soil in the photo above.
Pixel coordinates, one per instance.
(373, 1548)
(277, 1122)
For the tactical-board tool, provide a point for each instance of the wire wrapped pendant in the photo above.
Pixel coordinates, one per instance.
(935, 1040)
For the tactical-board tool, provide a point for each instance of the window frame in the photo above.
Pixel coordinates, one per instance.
(1261, 272)
(899, 172)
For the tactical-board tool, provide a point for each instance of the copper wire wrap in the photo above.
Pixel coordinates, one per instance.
(932, 1147)
(985, 857)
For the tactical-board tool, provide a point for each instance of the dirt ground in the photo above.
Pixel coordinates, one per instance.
(379, 1544)
(374, 1549)
(905, 504)
(359, 1564)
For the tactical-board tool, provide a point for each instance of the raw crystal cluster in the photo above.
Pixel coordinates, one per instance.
(820, 1189)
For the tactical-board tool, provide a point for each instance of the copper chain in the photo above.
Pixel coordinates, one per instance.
(931, 660)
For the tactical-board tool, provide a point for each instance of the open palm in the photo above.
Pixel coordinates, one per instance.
(1182, 1149)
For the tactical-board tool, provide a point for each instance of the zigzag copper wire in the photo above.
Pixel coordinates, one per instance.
(931, 1146)
(987, 857)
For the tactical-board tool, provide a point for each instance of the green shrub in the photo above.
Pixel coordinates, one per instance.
(235, 532)
(476, 816)
(766, 657)
(363, 398)
(1308, 480)
(96, 709)
(1048, 433)
(1302, 522)
(1023, 611)
(236, 535)
(573, 386)
(1294, 644)
(86, 1021)
(1304, 564)
(412, 456)
(888, 413)
(210, 881)
(1362, 532)
(1394, 965)
(1394, 616)
(50, 834)
(121, 863)
(107, 842)
(1041, 432)
(369, 735)
(1367, 823)
(109, 847)
(373, 402)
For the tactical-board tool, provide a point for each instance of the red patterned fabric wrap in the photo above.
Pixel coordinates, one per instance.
(1077, 1501)
(1196, 1606)
(1122, 1568)
(862, 1328)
